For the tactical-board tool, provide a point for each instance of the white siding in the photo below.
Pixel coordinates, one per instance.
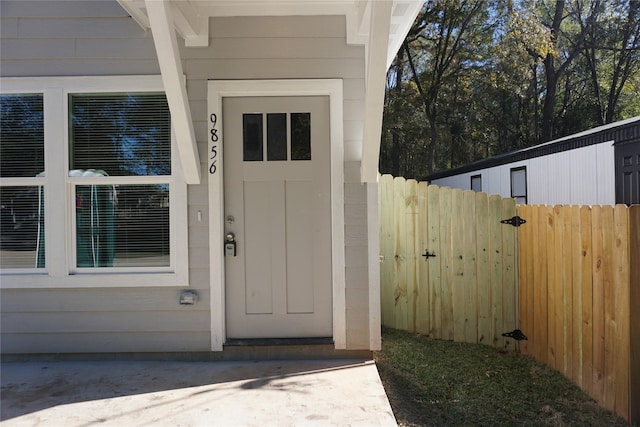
(38, 39)
(356, 258)
(72, 38)
(582, 176)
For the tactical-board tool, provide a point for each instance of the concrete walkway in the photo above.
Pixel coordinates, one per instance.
(266, 393)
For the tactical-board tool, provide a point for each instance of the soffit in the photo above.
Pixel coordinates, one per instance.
(191, 17)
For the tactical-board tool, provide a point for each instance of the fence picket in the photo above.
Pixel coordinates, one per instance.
(457, 265)
(622, 315)
(400, 273)
(387, 239)
(587, 257)
(598, 304)
(446, 265)
(433, 265)
(509, 267)
(557, 292)
(483, 275)
(567, 277)
(609, 307)
(496, 278)
(411, 266)
(576, 295)
(423, 325)
(470, 259)
(525, 277)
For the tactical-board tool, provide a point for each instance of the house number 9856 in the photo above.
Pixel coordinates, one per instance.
(213, 118)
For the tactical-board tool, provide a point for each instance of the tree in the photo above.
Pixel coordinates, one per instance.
(612, 55)
(477, 78)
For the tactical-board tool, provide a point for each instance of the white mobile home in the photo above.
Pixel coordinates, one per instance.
(600, 166)
(183, 176)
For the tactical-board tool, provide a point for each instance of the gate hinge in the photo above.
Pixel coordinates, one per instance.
(516, 221)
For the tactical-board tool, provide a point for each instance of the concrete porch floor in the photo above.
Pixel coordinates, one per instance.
(142, 393)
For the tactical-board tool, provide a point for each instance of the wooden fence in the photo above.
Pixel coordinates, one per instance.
(578, 300)
(569, 278)
(466, 292)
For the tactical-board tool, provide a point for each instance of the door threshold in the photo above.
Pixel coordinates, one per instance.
(235, 342)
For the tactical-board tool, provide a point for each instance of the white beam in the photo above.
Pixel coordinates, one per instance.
(192, 25)
(164, 38)
(403, 24)
(376, 74)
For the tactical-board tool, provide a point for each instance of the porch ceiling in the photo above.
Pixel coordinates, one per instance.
(379, 25)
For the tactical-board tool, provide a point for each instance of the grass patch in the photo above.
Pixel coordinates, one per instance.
(442, 383)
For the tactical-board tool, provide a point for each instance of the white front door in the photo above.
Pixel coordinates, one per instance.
(277, 193)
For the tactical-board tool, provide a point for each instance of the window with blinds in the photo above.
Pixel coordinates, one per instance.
(22, 189)
(120, 165)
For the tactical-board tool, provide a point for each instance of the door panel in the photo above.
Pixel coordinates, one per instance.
(299, 253)
(277, 200)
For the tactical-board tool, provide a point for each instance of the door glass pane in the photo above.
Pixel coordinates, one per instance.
(125, 134)
(300, 136)
(22, 227)
(277, 136)
(252, 137)
(22, 130)
(122, 226)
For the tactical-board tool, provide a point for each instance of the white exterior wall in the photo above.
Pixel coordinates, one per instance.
(583, 176)
(55, 39)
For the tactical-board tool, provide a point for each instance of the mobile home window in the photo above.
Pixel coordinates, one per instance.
(22, 186)
(519, 184)
(476, 183)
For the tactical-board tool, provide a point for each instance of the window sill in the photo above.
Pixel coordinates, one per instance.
(88, 280)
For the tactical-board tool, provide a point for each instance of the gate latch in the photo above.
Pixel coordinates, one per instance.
(516, 221)
(426, 254)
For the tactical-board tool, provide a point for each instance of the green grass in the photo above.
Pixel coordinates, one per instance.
(442, 383)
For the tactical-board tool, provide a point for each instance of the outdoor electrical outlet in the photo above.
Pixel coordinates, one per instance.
(188, 297)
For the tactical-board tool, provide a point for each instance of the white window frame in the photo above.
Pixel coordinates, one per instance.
(60, 271)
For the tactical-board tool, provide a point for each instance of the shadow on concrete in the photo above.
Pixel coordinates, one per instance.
(132, 387)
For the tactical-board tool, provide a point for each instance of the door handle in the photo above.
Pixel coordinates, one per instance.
(230, 244)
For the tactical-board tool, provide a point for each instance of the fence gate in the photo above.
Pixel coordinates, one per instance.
(448, 263)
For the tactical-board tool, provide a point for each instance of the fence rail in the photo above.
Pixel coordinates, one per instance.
(569, 278)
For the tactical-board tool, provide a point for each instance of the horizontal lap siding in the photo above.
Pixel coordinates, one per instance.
(61, 39)
(65, 38)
